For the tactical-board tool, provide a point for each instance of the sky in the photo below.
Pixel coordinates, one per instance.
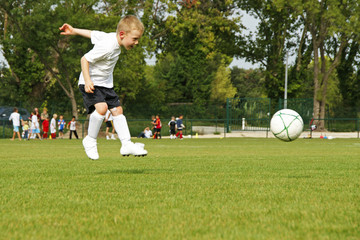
(249, 22)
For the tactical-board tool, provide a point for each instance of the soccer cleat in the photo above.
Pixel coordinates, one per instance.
(90, 147)
(136, 149)
(113, 137)
(107, 138)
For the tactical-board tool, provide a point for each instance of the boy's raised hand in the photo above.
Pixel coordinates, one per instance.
(66, 29)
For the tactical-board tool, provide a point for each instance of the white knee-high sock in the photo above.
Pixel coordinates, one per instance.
(121, 128)
(95, 121)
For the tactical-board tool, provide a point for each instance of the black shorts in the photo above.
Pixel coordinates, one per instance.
(172, 131)
(157, 130)
(109, 124)
(101, 94)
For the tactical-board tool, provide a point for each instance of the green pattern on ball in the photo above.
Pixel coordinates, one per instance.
(286, 128)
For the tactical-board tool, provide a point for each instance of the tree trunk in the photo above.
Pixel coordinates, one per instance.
(316, 107)
(74, 106)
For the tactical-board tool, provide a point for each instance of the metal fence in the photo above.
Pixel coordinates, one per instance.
(209, 127)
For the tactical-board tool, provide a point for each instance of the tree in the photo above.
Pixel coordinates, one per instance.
(196, 34)
(33, 30)
(269, 43)
(221, 87)
(326, 20)
(249, 83)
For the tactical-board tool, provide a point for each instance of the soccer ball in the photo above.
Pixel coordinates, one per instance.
(286, 125)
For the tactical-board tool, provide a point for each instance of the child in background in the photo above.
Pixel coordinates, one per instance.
(61, 124)
(26, 130)
(172, 126)
(72, 125)
(45, 127)
(109, 124)
(180, 126)
(53, 126)
(15, 118)
(35, 128)
(158, 125)
(147, 133)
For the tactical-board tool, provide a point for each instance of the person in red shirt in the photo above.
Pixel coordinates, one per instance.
(157, 127)
(45, 127)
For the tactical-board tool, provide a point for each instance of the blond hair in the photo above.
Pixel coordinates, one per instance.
(129, 23)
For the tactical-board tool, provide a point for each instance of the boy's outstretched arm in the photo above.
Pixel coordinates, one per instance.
(69, 30)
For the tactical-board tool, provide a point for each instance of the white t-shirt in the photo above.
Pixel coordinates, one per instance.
(147, 133)
(15, 118)
(109, 116)
(102, 59)
(73, 125)
(34, 121)
(53, 125)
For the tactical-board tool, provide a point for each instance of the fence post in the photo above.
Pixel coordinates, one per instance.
(357, 126)
(191, 125)
(83, 129)
(3, 128)
(227, 114)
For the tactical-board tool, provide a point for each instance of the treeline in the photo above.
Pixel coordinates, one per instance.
(194, 43)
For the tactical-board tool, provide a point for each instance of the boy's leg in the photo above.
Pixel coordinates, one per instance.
(70, 134)
(113, 132)
(107, 133)
(95, 121)
(75, 133)
(122, 129)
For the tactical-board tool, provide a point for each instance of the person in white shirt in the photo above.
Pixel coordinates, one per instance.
(72, 125)
(35, 127)
(147, 133)
(53, 126)
(109, 124)
(15, 118)
(97, 86)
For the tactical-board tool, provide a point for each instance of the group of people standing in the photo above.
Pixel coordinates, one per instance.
(31, 126)
(175, 125)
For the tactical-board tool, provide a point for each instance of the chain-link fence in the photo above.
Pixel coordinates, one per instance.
(209, 127)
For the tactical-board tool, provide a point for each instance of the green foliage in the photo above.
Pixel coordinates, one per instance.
(249, 83)
(221, 86)
(196, 35)
(273, 37)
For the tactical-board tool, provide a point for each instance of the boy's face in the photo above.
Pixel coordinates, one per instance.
(130, 39)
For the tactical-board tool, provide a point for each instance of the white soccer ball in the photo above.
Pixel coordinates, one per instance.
(286, 125)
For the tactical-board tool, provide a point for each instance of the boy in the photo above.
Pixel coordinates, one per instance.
(35, 128)
(180, 126)
(15, 118)
(109, 124)
(172, 126)
(45, 125)
(26, 130)
(61, 124)
(96, 82)
(72, 125)
(53, 126)
(157, 125)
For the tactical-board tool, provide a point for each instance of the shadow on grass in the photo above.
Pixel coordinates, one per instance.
(135, 171)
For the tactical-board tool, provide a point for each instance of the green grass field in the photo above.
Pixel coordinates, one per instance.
(193, 189)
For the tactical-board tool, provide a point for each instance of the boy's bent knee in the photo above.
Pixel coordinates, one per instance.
(101, 108)
(116, 111)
